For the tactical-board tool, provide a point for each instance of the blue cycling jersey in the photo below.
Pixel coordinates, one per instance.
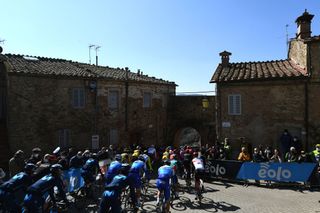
(91, 165)
(137, 166)
(165, 172)
(17, 182)
(114, 168)
(46, 184)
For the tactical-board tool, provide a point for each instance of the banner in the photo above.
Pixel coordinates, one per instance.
(222, 168)
(284, 172)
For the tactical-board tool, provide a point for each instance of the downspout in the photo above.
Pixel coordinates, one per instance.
(218, 113)
(306, 95)
(126, 99)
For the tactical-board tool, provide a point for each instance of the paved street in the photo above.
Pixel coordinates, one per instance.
(227, 197)
(221, 197)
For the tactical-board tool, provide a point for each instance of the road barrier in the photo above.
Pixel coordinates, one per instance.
(278, 172)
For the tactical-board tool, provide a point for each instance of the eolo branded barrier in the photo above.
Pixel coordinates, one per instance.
(280, 172)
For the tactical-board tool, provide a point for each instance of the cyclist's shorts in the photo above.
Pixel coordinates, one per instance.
(198, 174)
(174, 179)
(135, 179)
(109, 178)
(165, 187)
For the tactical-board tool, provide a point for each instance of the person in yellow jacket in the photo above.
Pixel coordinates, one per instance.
(244, 155)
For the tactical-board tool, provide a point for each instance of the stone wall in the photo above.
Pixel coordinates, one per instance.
(298, 52)
(267, 109)
(187, 111)
(40, 106)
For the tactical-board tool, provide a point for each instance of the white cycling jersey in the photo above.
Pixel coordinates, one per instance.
(198, 163)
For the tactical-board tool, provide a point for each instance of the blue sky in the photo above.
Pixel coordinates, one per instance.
(177, 40)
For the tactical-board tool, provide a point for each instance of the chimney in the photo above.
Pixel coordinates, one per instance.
(225, 58)
(138, 72)
(304, 25)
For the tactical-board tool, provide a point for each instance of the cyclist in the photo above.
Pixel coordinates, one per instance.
(135, 174)
(88, 173)
(113, 169)
(35, 197)
(187, 158)
(163, 183)
(198, 173)
(19, 182)
(111, 197)
(174, 166)
(148, 169)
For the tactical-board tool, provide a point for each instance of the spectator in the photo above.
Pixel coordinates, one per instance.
(292, 155)
(227, 148)
(16, 163)
(76, 161)
(302, 158)
(111, 152)
(257, 156)
(315, 154)
(296, 143)
(35, 156)
(276, 157)
(268, 153)
(244, 155)
(222, 154)
(285, 141)
(44, 167)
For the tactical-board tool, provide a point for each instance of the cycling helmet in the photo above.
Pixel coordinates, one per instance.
(55, 168)
(195, 154)
(118, 157)
(141, 158)
(30, 167)
(125, 168)
(164, 158)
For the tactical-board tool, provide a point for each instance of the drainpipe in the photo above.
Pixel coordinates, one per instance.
(218, 113)
(306, 97)
(126, 99)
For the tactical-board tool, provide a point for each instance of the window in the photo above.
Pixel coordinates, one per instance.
(113, 99)
(64, 137)
(234, 105)
(164, 101)
(78, 99)
(113, 136)
(147, 99)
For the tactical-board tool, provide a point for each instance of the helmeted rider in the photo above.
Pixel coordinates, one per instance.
(111, 197)
(198, 165)
(19, 182)
(34, 199)
(135, 174)
(113, 169)
(163, 183)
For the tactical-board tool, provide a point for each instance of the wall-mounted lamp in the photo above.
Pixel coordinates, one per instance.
(205, 103)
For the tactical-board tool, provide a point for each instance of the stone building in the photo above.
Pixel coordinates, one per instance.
(258, 100)
(50, 102)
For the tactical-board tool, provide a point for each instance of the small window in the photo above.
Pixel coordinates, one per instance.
(78, 99)
(164, 101)
(64, 137)
(147, 99)
(234, 105)
(113, 136)
(113, 99)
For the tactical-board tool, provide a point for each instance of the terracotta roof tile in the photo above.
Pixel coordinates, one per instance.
(251, 71)
(60, 67)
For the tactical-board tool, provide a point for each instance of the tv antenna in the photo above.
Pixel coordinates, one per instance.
(287, 37)
(97, 49)
(90, 46)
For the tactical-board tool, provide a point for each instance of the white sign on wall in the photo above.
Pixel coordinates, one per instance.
(226, 124)
(95, 141)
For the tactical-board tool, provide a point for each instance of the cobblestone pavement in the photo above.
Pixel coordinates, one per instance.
(227, 197)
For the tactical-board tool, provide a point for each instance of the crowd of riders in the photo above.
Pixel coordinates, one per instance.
(34, 179)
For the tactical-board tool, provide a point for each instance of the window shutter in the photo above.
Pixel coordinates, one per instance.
(113, 136)
(75, 98)
(81, 98)
(231, 105)
(146, 99)
(113, 99)
(237, 109)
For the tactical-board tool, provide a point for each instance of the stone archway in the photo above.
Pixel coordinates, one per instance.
(187, 136)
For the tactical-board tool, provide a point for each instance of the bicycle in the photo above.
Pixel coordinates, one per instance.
(161, 206)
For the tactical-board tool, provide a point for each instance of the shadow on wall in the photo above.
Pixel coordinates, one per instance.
(187, 136)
